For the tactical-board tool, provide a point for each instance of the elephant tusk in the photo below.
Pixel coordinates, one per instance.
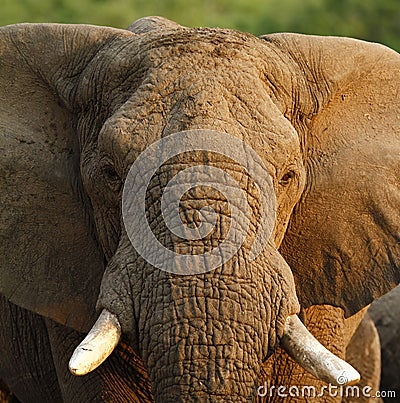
(97, 345)
(308, 352)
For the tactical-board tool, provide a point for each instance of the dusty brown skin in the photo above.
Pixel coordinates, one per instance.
(79, 103)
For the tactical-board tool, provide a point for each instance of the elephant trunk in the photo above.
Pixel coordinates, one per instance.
(209, 373)
(205, 340)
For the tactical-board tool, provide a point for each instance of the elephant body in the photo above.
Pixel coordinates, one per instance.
(130, 156)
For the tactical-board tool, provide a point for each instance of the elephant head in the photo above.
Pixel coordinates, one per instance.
(315, 118)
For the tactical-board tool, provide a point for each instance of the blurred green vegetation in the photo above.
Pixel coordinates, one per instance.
(373, 20)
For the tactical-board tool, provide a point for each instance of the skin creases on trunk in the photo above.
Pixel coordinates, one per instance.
(201, 348)
(206, 338)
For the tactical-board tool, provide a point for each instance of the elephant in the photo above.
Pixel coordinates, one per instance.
(101, 303)
(384, 314)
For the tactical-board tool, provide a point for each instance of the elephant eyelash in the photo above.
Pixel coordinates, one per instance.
(286, 178)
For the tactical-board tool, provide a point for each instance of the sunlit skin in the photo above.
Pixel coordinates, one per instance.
(79, 104)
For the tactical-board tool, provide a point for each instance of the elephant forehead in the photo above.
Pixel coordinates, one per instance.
(123, 65)
(123, 58)
(163, 47)
(193, 79)
(133, 128)
(197, 98)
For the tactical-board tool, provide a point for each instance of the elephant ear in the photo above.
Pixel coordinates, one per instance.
(50, 261)
(343, 241)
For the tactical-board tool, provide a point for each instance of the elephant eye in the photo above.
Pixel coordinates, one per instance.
(110, 172)
(286, 178)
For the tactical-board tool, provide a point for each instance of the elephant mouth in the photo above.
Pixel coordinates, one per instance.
(297, 341)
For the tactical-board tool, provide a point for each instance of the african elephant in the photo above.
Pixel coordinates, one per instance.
(314, 124)
(384, 312)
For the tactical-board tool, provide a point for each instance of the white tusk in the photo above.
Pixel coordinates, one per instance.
(308, 352)
(97, 345)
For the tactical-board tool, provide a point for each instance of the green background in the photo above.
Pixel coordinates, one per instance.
(373, 20)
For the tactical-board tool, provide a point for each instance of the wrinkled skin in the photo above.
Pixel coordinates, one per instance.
(364, 352)
(384, 313)
(86, 101)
